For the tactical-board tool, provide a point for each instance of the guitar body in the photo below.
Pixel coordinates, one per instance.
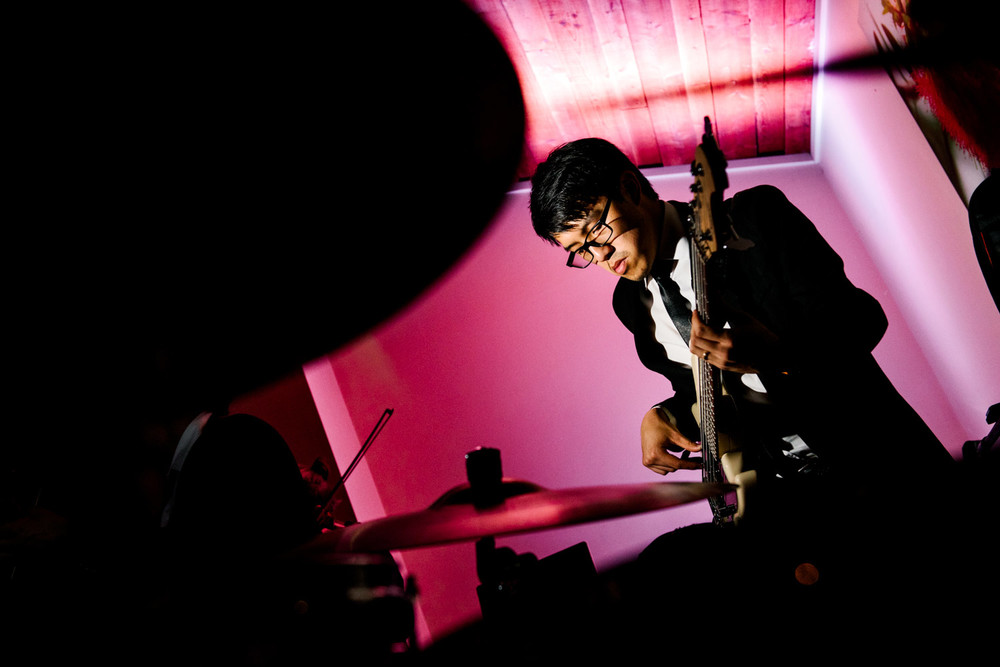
(722, 453)
(723, 460)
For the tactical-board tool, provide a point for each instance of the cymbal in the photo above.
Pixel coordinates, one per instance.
(518, 514)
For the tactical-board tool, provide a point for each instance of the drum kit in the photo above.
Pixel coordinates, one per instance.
(375, 599)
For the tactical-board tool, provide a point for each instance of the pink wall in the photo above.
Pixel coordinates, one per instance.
(514, 351)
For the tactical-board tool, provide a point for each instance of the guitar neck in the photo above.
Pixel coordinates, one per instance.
(708, 169)
(709, 383)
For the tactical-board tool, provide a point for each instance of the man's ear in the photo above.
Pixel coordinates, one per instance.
(631, 188)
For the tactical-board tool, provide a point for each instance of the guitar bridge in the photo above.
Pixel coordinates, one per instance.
(722, 512)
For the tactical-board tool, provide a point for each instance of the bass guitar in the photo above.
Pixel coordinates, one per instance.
(722, 458)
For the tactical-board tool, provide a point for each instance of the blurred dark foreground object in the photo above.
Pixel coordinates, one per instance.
(223, 195)
(217, 196)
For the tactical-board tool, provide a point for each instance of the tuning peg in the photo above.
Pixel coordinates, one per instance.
(697, 169)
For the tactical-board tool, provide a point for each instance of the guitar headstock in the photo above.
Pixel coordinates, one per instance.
(710, 181)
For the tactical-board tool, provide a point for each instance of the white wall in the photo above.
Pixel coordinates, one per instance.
(912, 222)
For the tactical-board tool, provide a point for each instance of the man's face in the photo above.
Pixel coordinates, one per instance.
(633, 242)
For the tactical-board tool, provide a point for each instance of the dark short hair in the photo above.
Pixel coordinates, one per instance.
(571, 180)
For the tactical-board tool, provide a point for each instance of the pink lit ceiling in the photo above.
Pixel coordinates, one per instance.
(644, 74)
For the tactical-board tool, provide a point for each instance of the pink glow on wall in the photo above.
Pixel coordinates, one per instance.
(497, 354)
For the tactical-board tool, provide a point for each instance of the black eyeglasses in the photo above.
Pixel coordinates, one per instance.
(599, 235)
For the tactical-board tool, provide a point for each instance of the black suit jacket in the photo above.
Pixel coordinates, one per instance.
(832, 392)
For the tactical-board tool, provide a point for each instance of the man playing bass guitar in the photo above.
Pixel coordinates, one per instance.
(790, 334)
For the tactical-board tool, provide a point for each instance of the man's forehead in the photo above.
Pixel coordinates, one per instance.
(574, 229)
(571, 232)
(592, 213)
